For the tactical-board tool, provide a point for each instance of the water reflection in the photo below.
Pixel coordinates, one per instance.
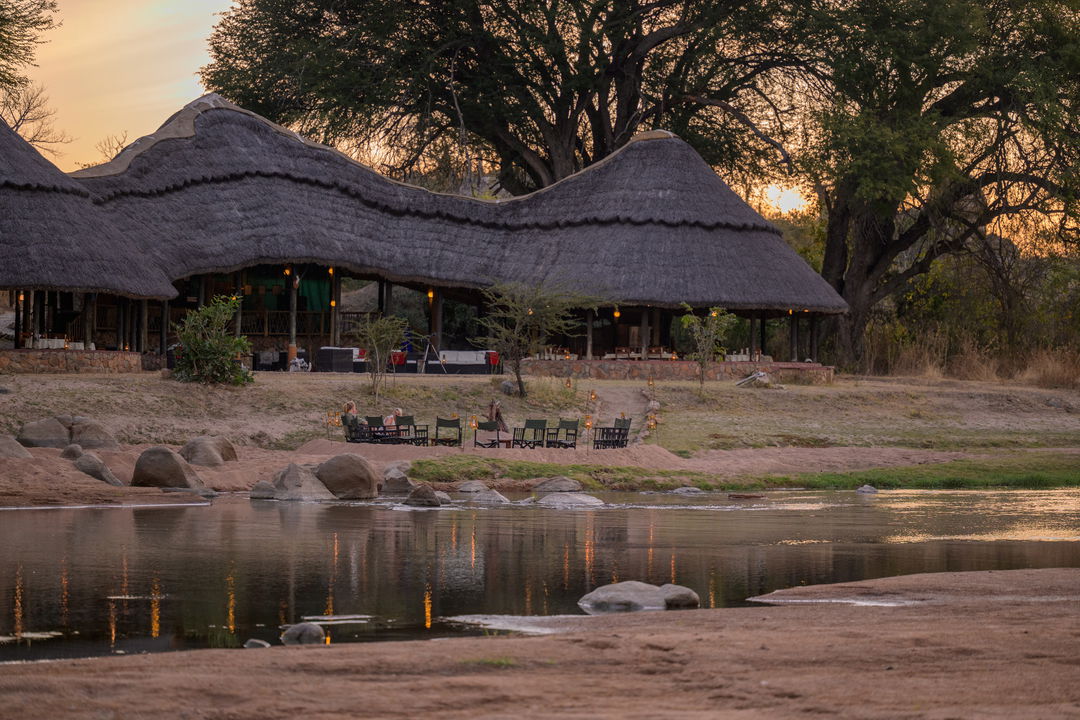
(170, 578)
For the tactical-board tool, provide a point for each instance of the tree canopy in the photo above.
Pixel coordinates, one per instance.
(21, 24)
(539, 89)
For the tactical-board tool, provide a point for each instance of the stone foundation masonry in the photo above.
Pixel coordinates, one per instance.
(69, 361)
(784, 372)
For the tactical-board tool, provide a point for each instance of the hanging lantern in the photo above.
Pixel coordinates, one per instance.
(430, 295)
(569, 383)
(331, 271)
(333, 303)
(616, 314)
(473, 423)
(288, 271)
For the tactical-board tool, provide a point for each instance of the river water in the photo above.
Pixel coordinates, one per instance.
(82, 582)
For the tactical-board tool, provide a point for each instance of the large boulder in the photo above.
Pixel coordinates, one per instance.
(489, 497)
(303, 634)
(423, 496)
(161, 467)
(298, 482)
(866, 490)
(471, 486)
(92, 465)
(631, 595)
(10, 448)
(349, 477)
(71, 452)
(208, 451)
(687, 490)
(557, 484)
(444, 499)
(64, 430)
(569, 500)
(89, 434)
(49, 432)
(396, 482)
(263, 490)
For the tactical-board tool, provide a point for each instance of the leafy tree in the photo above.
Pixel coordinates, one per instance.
(21, 24)
(380, 336)
(520, 318)
(25, 109)
(932, 120)
(209, 352)
(538, 89)
(706, 334)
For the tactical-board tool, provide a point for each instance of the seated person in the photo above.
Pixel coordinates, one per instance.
(349, 417)
(391, 419)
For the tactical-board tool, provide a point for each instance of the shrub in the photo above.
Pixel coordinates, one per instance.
(208, 351)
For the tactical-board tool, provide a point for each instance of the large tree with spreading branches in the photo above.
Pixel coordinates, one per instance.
(21, 24)
(537, 89)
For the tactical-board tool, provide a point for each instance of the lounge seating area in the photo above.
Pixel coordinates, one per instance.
(534, 433)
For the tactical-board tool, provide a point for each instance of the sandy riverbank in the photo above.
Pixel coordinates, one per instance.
(950, 645)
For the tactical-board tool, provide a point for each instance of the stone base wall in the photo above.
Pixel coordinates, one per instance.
(69, 361)
(785, 372)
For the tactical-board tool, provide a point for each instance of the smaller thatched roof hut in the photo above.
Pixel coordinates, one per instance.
(52, 236)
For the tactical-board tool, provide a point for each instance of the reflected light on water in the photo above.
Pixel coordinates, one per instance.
(18, 603)
(712, 588)
(112, 623)
(65, 593)
(230, 588)
(155, 607)
(566, 566)
(427, 607)
(673, 573)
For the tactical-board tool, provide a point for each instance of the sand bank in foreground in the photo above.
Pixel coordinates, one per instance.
(950, 645)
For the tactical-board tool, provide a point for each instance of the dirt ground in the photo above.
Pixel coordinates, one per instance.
(949, 645)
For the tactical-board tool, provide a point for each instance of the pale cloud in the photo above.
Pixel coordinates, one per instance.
(123, 65)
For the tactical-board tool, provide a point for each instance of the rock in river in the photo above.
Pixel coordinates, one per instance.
(209, 451)
(563, 499)
(161, 467)
(349, 477)
(396, 482)
(303, 634)
(423, 496)
(557, 484)
(631, 595)
(298, 482)
(471, 486)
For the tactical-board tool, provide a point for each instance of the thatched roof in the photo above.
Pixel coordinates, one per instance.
(53, 237)
(218, 188)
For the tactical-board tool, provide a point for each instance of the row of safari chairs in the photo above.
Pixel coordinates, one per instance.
(404, 432)
(564, 434)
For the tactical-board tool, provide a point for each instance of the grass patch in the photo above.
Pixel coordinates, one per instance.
(592, 477)
(1030, 471)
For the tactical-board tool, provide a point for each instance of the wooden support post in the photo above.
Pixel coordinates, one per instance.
(163, 339)
(39, 313)
(28, 307)
(655, 327)
(291, 282)
(144, 326)
(335, 309)
(18, 318)
(88, 306)
(239, 329)
(382, 296)
(435, 317)
(388, 298)
(753, 336)
(814, 337)
(121, 323)
(762, 329)
(590, 318)
(201, 297)
(644, 333)
(794, 337)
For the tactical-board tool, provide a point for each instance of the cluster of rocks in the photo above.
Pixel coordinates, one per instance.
(342, 477)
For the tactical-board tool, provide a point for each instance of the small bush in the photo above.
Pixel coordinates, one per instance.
(1053, 369)
(208, 351)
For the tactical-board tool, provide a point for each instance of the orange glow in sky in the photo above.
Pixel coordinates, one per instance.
(784, 199)
(122, 65)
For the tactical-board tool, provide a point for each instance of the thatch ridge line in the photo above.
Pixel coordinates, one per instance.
(353, 192)
(181, 126)
(41, 187)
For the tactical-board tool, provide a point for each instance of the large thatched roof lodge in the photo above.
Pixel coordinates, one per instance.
(220, 200)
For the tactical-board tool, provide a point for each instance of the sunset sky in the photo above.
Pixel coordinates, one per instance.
(117, 65)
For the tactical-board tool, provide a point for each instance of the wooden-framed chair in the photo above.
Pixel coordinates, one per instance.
(531, 436)
(355, 431)
(623, 422)
(564, 435)
(610, 438)
(409, 433)
(487, 426)
(453, 436)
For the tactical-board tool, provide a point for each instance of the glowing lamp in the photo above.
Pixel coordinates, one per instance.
(790, 311)
(713, 314)
(617, 314)
(288, 271)
(569, 383)
(330, 271)
(530, 311)
(430, 294)
(651, 381)
(473, 422)
(20, 297)
(333, 303)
